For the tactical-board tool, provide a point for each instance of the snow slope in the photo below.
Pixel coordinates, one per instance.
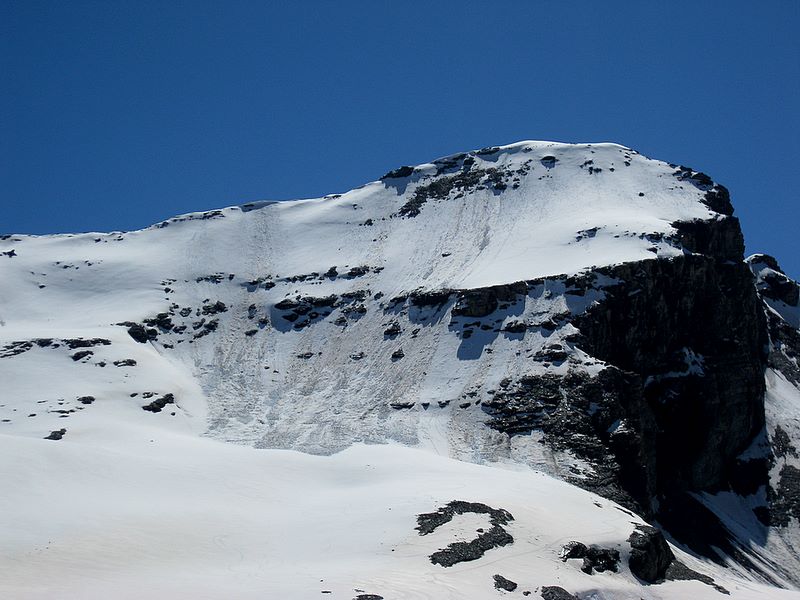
(147, 513)
(562, 218)
(151, 503)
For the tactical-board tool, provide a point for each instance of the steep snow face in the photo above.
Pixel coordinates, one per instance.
(524, 211)
(499, 215)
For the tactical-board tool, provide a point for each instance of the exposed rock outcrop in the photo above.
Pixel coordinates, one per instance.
(692, 332)
(650, 554)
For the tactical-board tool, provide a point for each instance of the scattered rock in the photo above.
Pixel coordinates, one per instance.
(600, 559)
(140, 334)
(429, 522)
(461, 182)
(158, 404)
(393, 330)
(473, 550)
(678, 571)
(573, 550)
(501, 583)
(213, 309)
(56, 435)
(161, 320)
(402, 405)
(73, 343)
(554, 592)
(465, 551)
(515, 327)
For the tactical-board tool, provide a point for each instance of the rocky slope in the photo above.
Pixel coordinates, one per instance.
(579, 310)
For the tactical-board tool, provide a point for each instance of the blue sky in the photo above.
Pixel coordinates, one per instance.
(114, 115)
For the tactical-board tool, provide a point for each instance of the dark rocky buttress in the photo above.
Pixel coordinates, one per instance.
(684, 340)
(691, 332)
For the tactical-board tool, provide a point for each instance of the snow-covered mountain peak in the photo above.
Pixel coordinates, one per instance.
(565, 308)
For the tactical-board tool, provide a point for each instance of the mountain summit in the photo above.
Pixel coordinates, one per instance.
(503, 368)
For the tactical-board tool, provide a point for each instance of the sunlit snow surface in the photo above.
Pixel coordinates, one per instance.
(135, 504)
(148, 514)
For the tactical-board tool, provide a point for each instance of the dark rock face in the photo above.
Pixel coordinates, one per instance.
(779, 296)
(784, 340)
(484, 301)
(682, 395)
(600, 560)
(162, 321)
(777, 286)
(782, 444)
(559, 406)
(784, 501)
(650, 554)
(429, 298)
(717, 197)
(140, 334)
(573, 550)
(73, 343)
(399, 173)
(721, 239)
(691, 331)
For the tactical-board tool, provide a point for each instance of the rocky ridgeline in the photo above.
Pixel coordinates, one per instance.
(779, 466)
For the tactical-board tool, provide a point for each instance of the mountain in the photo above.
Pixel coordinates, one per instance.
(541, 364)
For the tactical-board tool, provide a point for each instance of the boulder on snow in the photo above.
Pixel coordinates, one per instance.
(501, 583)
(554, 592)
(650, 554)
(56, 435)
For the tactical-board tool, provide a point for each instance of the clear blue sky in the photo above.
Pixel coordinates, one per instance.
(114, 115)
